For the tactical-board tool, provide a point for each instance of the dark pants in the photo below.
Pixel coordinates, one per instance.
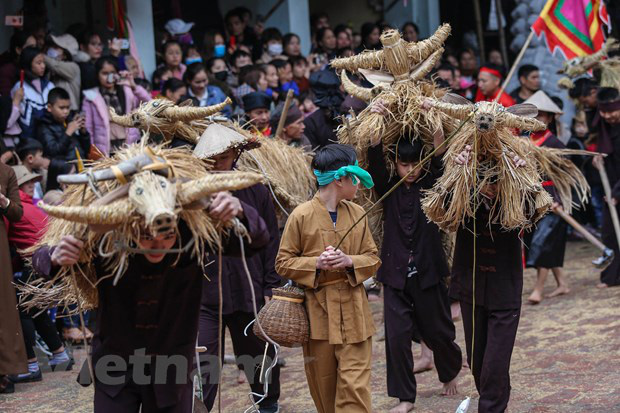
(495, 333)
(428, 313)
(42, 324)
(133, 396)
(611, 274)
(249, 352)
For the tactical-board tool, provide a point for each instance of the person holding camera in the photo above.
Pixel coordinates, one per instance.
(118, 91)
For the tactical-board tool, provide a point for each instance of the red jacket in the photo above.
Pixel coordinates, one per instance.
(28, 230)
(505, 99)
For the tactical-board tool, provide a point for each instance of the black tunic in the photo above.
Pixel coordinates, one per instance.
(499, 269)
(407, 232)
(545, 245)
(153, 309)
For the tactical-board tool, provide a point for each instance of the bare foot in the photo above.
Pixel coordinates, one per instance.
(465, 363)
(561, 290)
(449, 388)
(455, 310)
(422, 365)
(241, 377)
(602, 285)
(535, 298)
(403, 407)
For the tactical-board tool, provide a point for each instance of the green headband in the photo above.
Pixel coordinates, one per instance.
(354, 171)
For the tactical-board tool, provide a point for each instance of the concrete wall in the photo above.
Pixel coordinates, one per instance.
(140, 13)
(423, 13)
(7, 7)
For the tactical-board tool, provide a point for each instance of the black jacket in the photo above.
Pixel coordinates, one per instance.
(60, 147)
(320, 129)
(406, 230)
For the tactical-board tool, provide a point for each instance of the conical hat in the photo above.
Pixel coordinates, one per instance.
(544, 103)
(217, 139)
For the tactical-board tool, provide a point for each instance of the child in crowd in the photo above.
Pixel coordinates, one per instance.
(119, 92)
(199, 89)
(160, 75)
(252, 79)
(173, 57)
(271, 75)
(239, 59)
(338, 352)
(300, 73)
(24, 234)
(415, 269)
(30, 153)
(36, 87)
(62, 133)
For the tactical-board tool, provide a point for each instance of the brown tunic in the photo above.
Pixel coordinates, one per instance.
(338, 311)
(12, 350)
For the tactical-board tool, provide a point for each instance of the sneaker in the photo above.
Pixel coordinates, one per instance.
(66, 365)
(27, 377)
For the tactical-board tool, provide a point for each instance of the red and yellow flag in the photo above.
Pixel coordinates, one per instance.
(573, 26)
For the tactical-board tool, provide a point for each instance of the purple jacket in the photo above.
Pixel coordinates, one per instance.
(98, 118)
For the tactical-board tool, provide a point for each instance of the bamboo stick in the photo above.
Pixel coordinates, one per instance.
(287, 103)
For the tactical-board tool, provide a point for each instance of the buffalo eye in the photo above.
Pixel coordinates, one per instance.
(163, 184)
(139, 191)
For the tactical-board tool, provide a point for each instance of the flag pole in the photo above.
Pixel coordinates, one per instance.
(515, 64)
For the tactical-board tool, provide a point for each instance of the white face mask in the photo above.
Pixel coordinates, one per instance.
(274, 49)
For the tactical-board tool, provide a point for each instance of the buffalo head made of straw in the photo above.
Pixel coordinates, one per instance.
(149, 190)
(164, 117)
(608, 68)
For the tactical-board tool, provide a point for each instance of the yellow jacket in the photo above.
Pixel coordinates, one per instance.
(336, 301)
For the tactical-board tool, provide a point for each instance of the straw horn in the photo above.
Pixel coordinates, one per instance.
(519, 122)
(364, 60)
(422, 50)
(112, 214)
(188, 114)
(128, 167)
(122, 120)
(426, 66)
(216, 182)
(363, 93)
(455, 110)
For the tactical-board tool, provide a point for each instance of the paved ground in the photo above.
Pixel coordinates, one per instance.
(566, 359)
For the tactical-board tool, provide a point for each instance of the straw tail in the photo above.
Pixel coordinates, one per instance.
(115, 213)
(188, 114)
(422, 50)
(122, 120)
(217, 182)
(510, 120)
(365, 94)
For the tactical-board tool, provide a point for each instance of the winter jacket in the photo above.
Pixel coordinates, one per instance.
(67, 76)
(33, 105)
(98, 118)
(28, 230)
(213, 96)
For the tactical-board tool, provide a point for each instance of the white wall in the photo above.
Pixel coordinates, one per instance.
(423, 13)
(7, 7)
(140, 13)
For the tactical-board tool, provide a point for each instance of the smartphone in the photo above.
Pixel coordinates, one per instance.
(113, 78)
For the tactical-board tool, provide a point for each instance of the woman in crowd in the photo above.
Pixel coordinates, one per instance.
(218, 73)
(273, 82)
(410, 32)
(91, 49)
(65, 73)
(272, 45)
(198, 88)
(115, 90)
(9, 60)
(291, 45)
(214, 44)
(326, 45)
(343, 38)
(252, 79)
(36, 87)
(370, 37)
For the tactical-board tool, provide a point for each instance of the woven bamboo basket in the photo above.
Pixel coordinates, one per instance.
(284, 318)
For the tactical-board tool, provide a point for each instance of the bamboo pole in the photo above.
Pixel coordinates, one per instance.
(515, 64)
(479, 30)
(287, 104)
(612, 208)
(500, 30)
(573, 223)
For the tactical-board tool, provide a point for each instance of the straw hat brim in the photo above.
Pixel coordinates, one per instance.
(544, 103)
(217, 139)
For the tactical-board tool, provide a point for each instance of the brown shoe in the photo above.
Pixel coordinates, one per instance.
(6, 385)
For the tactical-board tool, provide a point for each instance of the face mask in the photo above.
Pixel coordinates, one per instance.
(53, 53)
(191, 60)
(219, 50)
(185, 39)
(274, 49)
(221, 76)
